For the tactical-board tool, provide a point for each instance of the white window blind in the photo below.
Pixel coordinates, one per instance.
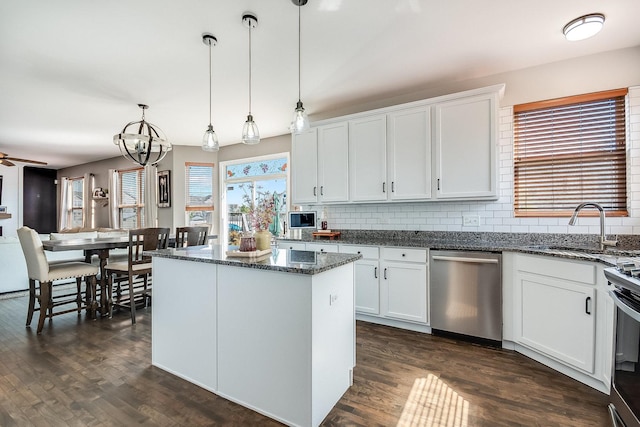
(131, 198)
(76, 210)
(199, 181)
(569, 151)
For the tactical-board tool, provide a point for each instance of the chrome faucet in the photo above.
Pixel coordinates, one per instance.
(603, 241)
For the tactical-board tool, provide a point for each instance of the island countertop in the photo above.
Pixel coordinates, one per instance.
(285, 260)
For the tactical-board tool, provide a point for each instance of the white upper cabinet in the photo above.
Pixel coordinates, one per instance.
(304, 167)
(466, 147)
(409, 154)
(333, 163)
(368, 158)
(442, 148)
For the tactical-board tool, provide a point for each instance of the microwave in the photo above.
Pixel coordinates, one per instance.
(302, 219)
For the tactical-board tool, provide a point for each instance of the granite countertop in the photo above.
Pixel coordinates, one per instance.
(579, 247)
(284, 260)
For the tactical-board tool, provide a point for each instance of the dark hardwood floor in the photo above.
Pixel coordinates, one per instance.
(98, 373)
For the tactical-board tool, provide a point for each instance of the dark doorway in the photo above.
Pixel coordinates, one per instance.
(39, 199)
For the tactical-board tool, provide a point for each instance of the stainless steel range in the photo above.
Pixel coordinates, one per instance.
(625, 387)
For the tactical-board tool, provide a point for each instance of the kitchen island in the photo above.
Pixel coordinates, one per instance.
(275, 334)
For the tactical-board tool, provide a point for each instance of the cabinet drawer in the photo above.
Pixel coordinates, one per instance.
(322, 247)
(576, 271)
(404, 254)
(367, 252)
(296, 246)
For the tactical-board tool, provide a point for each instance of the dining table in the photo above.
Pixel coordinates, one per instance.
(101, 247)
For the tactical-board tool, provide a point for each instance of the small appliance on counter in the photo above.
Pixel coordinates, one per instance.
(299, 220)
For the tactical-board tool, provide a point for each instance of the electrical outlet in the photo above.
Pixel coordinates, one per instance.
(333, 299)
(470, 220)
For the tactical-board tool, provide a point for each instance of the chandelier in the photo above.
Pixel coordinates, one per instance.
(142, 142)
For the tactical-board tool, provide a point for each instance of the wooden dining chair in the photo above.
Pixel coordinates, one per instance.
(191, 236)
(42, 274)
(122, 275)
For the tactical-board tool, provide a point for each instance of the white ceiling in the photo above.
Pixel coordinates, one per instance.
(72, 71)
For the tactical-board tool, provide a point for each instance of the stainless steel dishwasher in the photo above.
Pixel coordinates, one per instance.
(466, 293)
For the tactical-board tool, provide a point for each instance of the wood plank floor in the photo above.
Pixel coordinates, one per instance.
(98, 373)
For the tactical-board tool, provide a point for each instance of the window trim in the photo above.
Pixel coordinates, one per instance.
(140, 205)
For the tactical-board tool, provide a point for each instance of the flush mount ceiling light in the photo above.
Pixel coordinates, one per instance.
(142, 142)
(300, 122)
(250, 133)
(583, 27)
(210, 139)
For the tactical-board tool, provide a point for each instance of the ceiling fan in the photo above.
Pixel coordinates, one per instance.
(5, 160)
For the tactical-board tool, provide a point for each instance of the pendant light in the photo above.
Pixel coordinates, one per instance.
(250, 133)
(210, 139)
(300, 122)
(142, 142)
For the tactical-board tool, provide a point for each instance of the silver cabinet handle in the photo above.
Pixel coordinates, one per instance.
(393, 186)
(375, 272)
(384, 187)
(465, 259)
(322, 190)
(385, 274)
(314, 191)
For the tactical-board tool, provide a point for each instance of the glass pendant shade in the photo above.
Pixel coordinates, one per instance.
(142, 142)
(250, 133)
(300, 122)
(210, 140)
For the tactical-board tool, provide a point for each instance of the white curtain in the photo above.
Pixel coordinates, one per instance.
(65, 203)
(87, 201)
(114, 199)
(150, 196)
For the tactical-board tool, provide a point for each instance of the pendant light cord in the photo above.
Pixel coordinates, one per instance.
(249, 68)
(210, 83)
(299, 50)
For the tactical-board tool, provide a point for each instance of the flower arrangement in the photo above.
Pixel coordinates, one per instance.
(262, 211)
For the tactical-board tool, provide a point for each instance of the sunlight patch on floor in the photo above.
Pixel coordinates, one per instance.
(432, 403)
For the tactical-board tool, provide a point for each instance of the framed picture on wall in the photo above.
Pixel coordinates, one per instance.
(164, 189)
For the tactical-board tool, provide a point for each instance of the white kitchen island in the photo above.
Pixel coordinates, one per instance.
(276, 335)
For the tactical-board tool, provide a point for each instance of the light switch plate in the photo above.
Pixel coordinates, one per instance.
(470, 220)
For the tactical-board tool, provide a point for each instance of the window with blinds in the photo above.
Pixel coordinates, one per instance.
(568, 151)
(199, 193)
(131, 198)
(76, 207)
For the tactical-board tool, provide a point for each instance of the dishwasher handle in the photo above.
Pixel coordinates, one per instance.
(465, 259)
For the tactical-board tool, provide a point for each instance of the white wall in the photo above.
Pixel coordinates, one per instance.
(495, 216)
(609, 70)
(11, 198)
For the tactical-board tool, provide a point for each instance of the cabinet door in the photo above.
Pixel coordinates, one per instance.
(557, 318)
(296, 246)
(304, 167)
(333, 162)
(367, 278)
(368, 159)
(466, 147)
(404, 291)
(409, 154)
(322, 247)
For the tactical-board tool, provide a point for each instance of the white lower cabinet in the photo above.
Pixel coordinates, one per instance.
(367, 278)
(296, 246)
(560, 313)
(404, 284)
(557, 318)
